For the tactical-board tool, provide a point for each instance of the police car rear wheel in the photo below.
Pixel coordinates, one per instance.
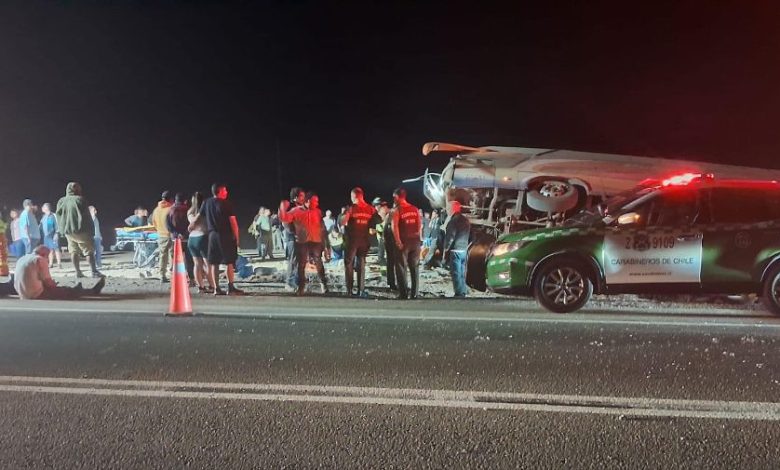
(771, 291)
(562, 286)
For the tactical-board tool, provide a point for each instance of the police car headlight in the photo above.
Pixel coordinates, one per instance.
(504, 248)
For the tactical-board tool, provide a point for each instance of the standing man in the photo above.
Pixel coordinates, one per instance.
(178, 227)
(29, 229)
(4, 271)
(98, 238)
(357, 220)
(74, 221)
(50, 238)
(407, 229)
(309, 231)
(291, 248)
(456, 246)
(223, 237)
(390, 251)
(160, 224)
(266, 241)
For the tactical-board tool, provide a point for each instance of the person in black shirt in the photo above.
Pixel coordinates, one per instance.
(291, 246)
(223, 236)
(390, 251)
(456, 246)
(358, 220)
(407, 228)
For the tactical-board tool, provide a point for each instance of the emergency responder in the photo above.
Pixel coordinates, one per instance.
(357, 220)
(407, 229)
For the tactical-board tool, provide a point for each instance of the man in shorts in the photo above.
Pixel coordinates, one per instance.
(75, 222)
(223, 237)
(358, 220)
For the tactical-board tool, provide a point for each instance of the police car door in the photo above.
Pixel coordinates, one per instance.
(744, 233)
(659, 248)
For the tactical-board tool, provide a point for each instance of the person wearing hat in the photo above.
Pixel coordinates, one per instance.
(160, 223)
(75, 223)
(28, 227)
(32, 279)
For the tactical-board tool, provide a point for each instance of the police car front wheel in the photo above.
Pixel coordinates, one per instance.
(562, 286)
(771, 291)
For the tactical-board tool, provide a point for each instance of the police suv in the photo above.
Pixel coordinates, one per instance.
(691, 233)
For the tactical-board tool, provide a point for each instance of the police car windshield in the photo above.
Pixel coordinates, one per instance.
(611, 207)
(626, 200)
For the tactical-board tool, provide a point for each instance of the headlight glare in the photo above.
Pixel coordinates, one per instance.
(504, 248)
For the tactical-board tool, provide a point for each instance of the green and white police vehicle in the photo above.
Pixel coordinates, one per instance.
(691, 233)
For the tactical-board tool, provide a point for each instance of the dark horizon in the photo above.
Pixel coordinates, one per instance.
(132, 98)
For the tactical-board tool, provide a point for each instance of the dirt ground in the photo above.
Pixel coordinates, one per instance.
(125, 280)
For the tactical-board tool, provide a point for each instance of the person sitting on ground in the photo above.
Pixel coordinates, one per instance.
(336, 239)
(32, 279)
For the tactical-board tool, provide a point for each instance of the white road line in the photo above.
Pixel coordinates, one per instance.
(429, 315)
(606, 405)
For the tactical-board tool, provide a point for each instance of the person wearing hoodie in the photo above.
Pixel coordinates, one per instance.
(160, 223)
(178, 227)
(75, 223)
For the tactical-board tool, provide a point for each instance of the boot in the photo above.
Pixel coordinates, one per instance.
(92, 266)
(75, 259)
(233, 290)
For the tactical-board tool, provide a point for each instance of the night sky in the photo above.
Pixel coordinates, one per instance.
(130, 98)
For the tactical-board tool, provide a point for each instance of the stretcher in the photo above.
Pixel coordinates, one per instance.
(143, 242)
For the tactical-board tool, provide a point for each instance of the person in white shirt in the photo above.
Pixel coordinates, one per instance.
(32, 279)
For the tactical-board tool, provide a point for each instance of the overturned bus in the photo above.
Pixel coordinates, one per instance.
(508, 189)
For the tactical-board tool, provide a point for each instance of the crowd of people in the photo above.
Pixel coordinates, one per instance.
(404, 236)
(36, 244)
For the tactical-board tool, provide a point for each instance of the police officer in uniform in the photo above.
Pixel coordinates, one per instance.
(407, 228)
(358, 220)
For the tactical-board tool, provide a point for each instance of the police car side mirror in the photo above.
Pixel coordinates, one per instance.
(629, 218)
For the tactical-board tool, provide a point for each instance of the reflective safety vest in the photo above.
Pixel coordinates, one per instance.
(409, 223)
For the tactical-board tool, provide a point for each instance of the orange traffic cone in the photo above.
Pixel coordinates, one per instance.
(181, 304)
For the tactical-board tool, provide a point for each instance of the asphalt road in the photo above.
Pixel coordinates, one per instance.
(283, 382)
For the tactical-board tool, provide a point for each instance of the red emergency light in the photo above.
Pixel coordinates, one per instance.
(684, 179)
